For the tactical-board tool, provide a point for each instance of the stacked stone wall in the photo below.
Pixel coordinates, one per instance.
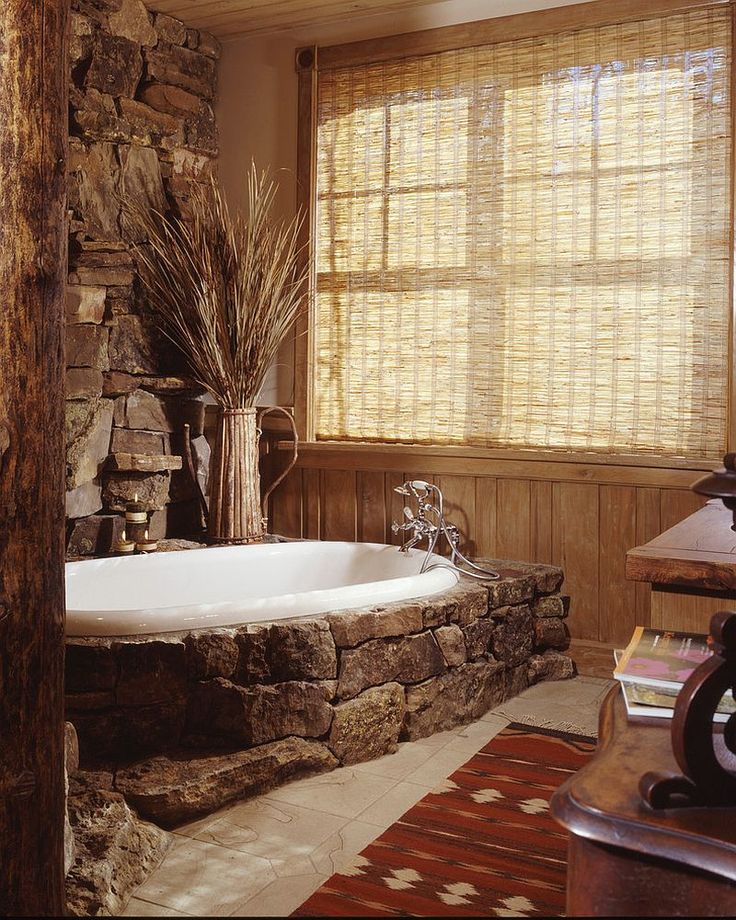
(142, 125)
(306, 694)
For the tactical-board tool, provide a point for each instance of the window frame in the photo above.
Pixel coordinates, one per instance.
(313, 59)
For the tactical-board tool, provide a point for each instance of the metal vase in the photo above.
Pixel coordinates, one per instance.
(235, 490)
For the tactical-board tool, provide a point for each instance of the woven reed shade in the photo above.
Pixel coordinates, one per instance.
(527, 244)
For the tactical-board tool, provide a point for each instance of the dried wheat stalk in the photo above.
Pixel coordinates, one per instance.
(225, 287)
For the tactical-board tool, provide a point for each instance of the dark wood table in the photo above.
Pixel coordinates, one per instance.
(626, 859)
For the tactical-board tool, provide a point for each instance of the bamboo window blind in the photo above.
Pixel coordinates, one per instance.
(527, 244)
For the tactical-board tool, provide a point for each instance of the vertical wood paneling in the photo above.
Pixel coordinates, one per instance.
(459, 495)
(371, 502)
(394, 506)
(575, 536)
(311, 504)
(585, 528)
(338, 505)
(677, 504)
(485, 517)
(286, 506)
(541, 522)
(617, 596)
(647, 527)
(513, 527)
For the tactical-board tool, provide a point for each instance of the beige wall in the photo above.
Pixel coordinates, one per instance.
(257, 110)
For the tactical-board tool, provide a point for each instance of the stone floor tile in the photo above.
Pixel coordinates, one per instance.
(280, 898)
(439, 766)
(206, 880)
(341, 847)
(396, 766)
(391, 806)
(273, 830)
(138, 908)
(475, 736)
(344, 792)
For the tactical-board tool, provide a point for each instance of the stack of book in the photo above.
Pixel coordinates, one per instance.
(654, 666)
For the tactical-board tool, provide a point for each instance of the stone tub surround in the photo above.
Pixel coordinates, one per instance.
(141, 123)
(190, 721)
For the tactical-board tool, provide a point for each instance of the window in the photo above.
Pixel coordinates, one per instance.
(527, 244)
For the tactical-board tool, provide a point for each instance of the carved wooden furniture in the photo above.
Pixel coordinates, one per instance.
(629, 859)
(692, 569)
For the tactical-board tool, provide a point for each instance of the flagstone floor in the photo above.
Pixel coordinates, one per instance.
(264, 857)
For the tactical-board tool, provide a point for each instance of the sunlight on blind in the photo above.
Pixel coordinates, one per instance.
(527, 244)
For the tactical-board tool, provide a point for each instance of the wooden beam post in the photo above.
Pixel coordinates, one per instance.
(33, 132)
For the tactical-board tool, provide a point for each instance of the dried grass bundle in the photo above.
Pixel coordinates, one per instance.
(225, 288)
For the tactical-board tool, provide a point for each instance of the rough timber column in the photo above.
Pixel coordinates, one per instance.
(33, 132)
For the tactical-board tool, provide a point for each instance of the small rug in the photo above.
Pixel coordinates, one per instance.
(482, 844)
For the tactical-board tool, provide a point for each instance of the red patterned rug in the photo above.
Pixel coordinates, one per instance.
(481, 845)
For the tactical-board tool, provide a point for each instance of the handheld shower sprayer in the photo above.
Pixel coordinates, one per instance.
(429, 523)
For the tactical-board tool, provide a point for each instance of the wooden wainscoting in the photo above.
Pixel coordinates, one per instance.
(544, 514)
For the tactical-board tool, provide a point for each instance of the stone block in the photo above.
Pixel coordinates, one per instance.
(116, 65)
(85, 499)
(208, 44)
(254, 662)
(120, 301)
(225, 713)
(143, 463)
(85, 304)
(461, 695)
(94, 535)
(380, 661)
(151, 671)
(552, 606)
(200, 131)
(516, 681)
(147, 124)
(116, 383)
(159, 413)
(152, 490)
(174, 789)
(115, 853)
(550, 632)
(182, 67)
(137, 346)
(88, 428)
(133, 441)
(169, 30)
(211, 654)
(478, 636)
(89, 664)
(550, 665)
(81, 34)
(86, 346)
(452, 644)
(513, 636)
(132, 21)
(171, 100)
(95, 170)
(83, 383)
(302, 651)
(140, 181)
(368, 726)
(191, 165)
(510, 591)
(462, 605)
(351, 627)
(93, 116)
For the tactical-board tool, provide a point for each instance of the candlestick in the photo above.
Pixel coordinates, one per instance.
(146, 545)
(136, 518)
(123, 545)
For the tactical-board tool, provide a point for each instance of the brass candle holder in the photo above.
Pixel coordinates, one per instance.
(123, 546)
(146, 545)
(136, 520)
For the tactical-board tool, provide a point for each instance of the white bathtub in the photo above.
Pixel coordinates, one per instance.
(224, 586)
